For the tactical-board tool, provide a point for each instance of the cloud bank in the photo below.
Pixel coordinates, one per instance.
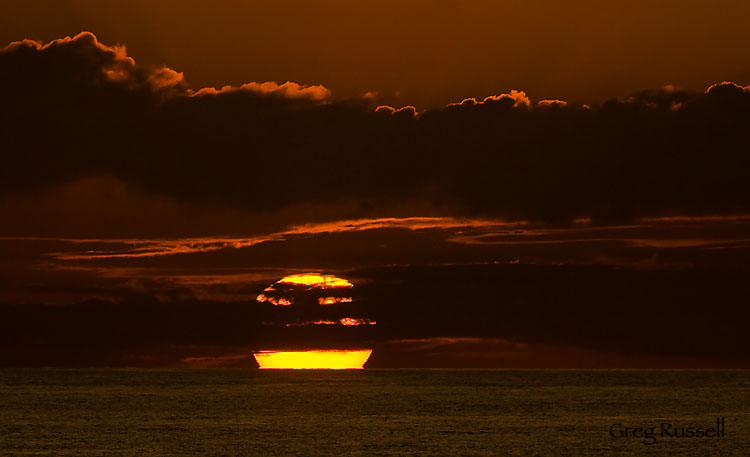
(75, 108)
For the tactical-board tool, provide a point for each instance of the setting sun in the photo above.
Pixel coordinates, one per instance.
(330, 360)
(316, 280)
(310, 302)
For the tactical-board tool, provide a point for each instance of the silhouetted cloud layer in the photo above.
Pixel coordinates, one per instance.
(444, 292)
(599, 315)
(75, 108)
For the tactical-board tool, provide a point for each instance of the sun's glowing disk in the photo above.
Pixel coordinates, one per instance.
(326, 360)
(276, 301)
(316, 280)
(333, 300)
(352, 321)
(305, 323)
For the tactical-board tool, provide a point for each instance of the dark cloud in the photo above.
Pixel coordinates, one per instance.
(493, 312)
(624, 311)
(656, 293)
(75, 108)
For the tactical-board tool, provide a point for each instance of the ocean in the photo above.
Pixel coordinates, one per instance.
(226, 412)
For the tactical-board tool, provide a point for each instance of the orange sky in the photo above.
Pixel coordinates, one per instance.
(421, 52)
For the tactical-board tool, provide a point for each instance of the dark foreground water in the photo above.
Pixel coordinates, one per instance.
(369, 412)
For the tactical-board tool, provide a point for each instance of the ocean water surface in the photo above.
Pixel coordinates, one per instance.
(224, 412)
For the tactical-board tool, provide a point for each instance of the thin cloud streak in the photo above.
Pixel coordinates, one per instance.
(139, 248)
(649, 232)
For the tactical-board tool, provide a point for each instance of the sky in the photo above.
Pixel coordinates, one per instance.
(505, 184)
(425, 53)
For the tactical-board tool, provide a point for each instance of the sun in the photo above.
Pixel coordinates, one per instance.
(322, 301)
(316, 280)
(313, 360)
